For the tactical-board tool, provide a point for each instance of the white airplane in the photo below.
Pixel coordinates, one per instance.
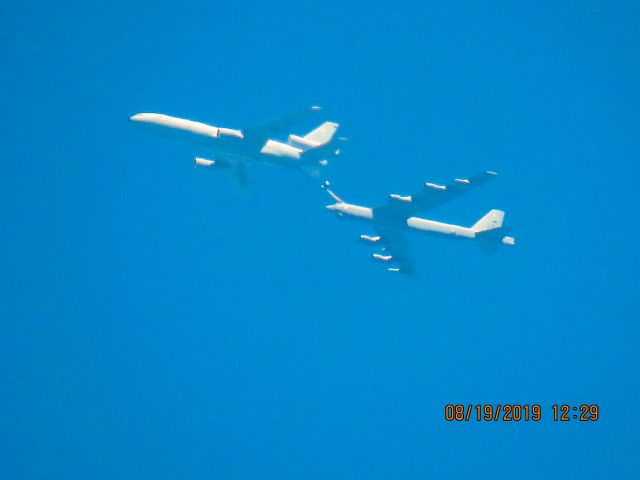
(234, 149)
(391, 220)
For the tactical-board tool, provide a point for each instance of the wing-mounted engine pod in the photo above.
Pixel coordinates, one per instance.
(509, 241)
(401, 198)
(382, 258)
(435, 186)
(368, 238)
(204, 162)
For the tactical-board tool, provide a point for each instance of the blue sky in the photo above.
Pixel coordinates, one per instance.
(158, 324)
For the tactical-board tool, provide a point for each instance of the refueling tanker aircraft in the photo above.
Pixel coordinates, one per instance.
(233, 150)
(390, 221)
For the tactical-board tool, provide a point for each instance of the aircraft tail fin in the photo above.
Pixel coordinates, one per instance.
(323, 134)
(491, 221)
(317, 137)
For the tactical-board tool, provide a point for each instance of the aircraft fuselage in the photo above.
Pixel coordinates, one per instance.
(227, 145)
(415, 223)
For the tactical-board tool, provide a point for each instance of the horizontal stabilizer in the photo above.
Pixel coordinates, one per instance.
(490, 241)
(315, 138)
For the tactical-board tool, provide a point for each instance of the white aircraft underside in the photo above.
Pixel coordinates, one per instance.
(234, 149)
(392, 220)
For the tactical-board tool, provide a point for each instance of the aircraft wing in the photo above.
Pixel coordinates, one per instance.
(238, 173)
(259, 134)
(395, 242)
(236, 170)
(433, 195)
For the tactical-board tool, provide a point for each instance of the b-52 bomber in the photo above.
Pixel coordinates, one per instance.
(391, 220)
(233, 149)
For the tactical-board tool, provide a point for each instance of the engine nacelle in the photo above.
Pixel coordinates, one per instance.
(204, 162)
(370, 239)
(462, 180)
(509, 241)
(382, 258)
(407, 199)
(435, 185)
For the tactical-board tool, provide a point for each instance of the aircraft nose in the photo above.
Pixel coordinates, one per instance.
(136, 118)
(332, 207)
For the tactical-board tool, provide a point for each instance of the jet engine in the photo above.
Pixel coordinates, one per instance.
(204, 162)
(370, 239)
(509, 240)
(401, 198)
